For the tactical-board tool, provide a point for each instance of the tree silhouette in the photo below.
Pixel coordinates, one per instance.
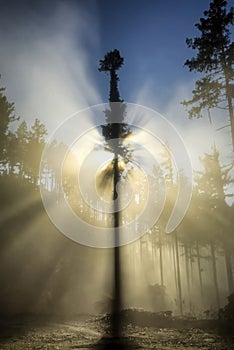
(112, 132)
(111, 63)
(35, 148)
(6, 118)
(215, 58)
(22, 134)
(212, 184)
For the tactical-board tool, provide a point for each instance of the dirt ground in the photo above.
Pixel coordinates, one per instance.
(20, 333)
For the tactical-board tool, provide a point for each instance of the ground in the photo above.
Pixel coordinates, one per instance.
(24, 333)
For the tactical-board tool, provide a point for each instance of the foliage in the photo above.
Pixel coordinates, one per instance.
(208, 217)
(115, 128)
(112, 61)
(6, 118)
(215, 59)
(20, 151)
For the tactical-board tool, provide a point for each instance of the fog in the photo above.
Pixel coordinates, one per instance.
(48, 56)
(45, 63)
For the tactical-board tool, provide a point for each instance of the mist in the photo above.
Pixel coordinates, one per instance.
(48, 65)
(46, 50)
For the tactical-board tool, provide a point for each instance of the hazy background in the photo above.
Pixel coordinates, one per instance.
(49, 55)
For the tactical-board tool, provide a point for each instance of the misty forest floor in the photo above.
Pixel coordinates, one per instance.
(24, 333)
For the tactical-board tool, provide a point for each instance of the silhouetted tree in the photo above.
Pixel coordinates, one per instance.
(111, 63)
(6, 118)
(11, 156)
(114, 131)
(22, 135)
(215, 58)
(35, 146)
(213, 211)
(171, 194)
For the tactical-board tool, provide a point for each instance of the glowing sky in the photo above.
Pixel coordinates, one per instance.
(50, 51)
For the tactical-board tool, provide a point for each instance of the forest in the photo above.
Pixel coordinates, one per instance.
(188, 272)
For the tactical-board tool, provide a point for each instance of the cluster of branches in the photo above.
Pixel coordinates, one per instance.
(214, 61)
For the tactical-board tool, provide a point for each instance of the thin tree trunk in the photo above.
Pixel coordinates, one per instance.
(178, 275)
(175, 270)
(117, 300)
(230, 108)
(161, 260)
(229, 271)
(199, 271)
(215, 274)
(226, 68)
(191, 265)
(187, 275)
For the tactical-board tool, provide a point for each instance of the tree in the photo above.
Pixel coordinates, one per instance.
(22, 135)
(114, 130)
(11, 156)
(35, 146)
(215, 212)
(6, 117)
(215, 58)
(111, 63)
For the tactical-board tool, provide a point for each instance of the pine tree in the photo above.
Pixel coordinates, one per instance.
(12, 159)
(214, 210)
(22, 135)
(215, 59)
(114, 131)
(6, 118)
(35, 146)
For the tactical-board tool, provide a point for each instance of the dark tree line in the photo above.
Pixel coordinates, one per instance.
(21, 146)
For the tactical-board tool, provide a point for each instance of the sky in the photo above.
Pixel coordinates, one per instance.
(50, 52)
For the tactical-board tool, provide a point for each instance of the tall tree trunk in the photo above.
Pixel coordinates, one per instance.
(187, 275)
(228, 262)
(199, 272)
(191, 265)
(174, 264)
(229, 96)
(230, 108)
(161, 260)
(117, 300)
(178, 275)
(215, 274)
(152, 251)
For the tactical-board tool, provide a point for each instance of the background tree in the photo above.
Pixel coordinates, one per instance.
(35, 146)
(6, 118)
(215, 58)
(214, 212)
(11, 153)
(22, 135)
(220, 180)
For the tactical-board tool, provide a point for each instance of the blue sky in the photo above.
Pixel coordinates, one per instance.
(149, 34)
(50, 51)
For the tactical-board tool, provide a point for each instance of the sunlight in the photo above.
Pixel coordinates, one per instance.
(87, 143)
(18, 208)
(88, 184)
